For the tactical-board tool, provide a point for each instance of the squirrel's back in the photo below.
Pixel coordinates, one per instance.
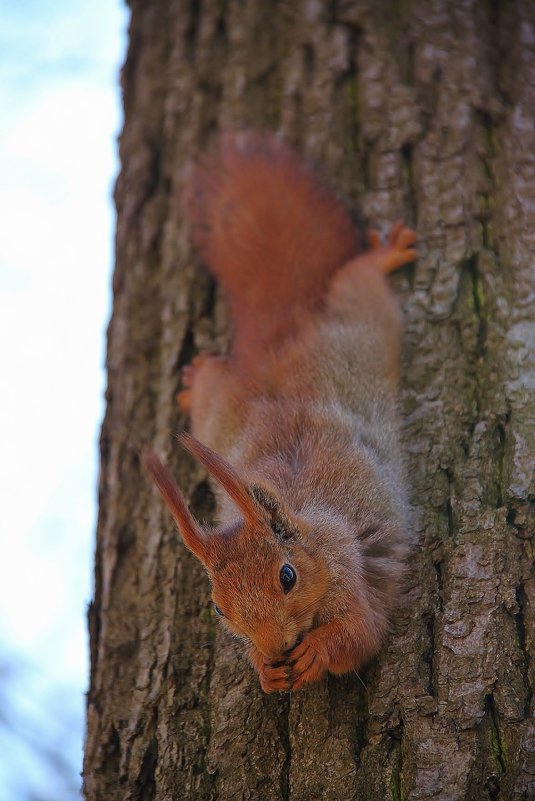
(272, 235)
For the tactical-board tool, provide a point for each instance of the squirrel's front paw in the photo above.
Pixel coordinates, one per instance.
(309, 661)
(274, 676)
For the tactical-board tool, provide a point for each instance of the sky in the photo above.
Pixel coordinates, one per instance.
(60, 114)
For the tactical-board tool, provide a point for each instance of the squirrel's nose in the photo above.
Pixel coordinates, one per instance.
(296, 642)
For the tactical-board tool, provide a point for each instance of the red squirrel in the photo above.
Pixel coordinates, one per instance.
(298, 425)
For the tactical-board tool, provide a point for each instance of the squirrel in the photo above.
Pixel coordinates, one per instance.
(298, 425)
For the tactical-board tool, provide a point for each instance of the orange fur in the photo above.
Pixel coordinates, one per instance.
(271, 234)
(298, 425)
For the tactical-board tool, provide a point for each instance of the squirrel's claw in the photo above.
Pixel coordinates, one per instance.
(309, 661)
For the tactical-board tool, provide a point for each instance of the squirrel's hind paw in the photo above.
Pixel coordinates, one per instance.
(397, 251)
(189, 372)
(183, 399)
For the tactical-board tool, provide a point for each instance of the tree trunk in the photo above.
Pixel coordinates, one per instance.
(425, 110)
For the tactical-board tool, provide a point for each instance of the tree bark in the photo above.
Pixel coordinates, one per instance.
(422, 110)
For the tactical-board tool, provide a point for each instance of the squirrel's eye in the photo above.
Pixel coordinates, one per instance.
(217, 610)
(287, 577)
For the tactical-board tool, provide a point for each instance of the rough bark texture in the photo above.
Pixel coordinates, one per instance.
(422, 109)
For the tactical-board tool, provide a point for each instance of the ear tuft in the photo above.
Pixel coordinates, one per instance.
(193, 535)
(225, 475)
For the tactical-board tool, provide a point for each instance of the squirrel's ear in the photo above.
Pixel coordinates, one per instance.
(193, 535)
(225, 475)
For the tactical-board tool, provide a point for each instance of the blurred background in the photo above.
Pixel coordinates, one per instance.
(59, 119)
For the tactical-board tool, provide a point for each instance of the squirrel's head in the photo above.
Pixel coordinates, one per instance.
(266, 585)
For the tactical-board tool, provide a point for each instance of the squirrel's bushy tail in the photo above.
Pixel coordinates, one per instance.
(270, 232)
